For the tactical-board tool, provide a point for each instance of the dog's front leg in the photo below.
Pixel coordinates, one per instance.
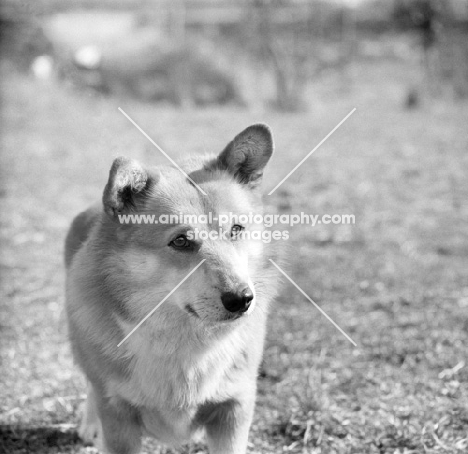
(120, 427)
(227, 426)
(90, 430)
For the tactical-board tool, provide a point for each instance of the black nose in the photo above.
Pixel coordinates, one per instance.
(238, 301)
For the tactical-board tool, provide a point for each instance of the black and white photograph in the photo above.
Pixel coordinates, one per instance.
(234, 227)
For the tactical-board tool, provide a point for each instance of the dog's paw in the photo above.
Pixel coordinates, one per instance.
(90, 433)
(90, 430)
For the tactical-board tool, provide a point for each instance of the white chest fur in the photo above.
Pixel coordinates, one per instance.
(171, 376)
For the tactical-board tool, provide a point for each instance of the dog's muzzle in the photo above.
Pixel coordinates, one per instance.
(238, 301)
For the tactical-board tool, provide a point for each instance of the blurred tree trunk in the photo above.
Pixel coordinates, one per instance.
(285, 50)
(182, 70)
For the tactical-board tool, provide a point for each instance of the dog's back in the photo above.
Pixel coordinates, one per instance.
(79, 231)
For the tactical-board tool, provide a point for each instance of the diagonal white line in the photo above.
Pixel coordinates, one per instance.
(165, 298)
(161, 150)
(316, 148)
(314, 303)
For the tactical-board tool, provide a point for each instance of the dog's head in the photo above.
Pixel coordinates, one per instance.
(188, 220)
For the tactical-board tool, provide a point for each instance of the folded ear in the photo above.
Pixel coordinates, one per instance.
(127, 181)
(246, 156)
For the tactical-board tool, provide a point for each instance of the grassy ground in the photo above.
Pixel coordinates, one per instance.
(396, 281)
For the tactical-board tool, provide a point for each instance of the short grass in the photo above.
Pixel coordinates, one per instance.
(396, 281)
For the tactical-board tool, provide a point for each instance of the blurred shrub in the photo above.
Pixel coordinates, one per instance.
(22, 40)
(149, 67)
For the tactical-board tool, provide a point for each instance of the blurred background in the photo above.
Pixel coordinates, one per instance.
(251, 53)
(192, 74)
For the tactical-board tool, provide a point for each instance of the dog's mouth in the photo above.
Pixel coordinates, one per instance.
(191, 311)
(227, 318)
(232, 317)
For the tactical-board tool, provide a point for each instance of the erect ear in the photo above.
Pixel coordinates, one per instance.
(248, 153)
(127, 181)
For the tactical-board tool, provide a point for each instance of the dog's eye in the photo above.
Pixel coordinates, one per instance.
(181, 242)
(236, 230)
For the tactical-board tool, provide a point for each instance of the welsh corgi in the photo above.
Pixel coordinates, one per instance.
(190, 368)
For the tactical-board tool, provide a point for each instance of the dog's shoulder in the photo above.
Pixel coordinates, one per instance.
(79, 231)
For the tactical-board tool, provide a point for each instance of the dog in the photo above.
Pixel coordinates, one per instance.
(191, 368)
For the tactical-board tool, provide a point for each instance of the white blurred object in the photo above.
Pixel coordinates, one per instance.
(88, 57)
(43, 67)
